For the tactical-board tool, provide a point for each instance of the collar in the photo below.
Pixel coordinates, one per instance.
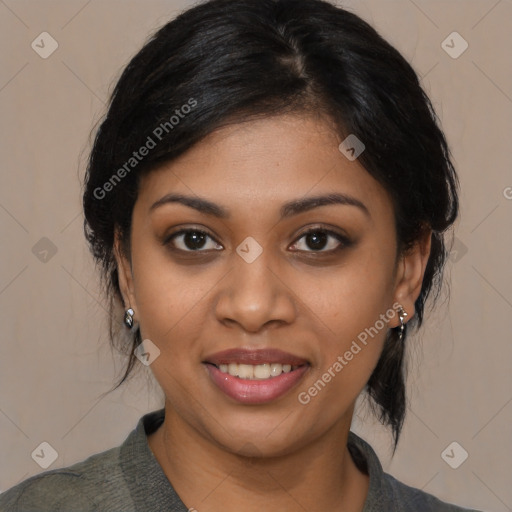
(151, 490)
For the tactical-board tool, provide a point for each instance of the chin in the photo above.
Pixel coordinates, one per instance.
(259, 438)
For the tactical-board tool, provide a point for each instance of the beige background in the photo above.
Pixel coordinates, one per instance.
(55, 359)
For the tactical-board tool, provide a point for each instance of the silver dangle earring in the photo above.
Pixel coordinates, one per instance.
(401, 315)
(128, 318)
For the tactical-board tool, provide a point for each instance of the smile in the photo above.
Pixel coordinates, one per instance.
(255, 376)
(258, 371)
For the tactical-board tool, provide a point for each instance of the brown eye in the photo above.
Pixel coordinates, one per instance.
(192, 240)
(320, 240)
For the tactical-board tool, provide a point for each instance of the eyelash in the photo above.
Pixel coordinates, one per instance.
(344, 241)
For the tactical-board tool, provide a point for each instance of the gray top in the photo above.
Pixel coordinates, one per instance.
(128, 478)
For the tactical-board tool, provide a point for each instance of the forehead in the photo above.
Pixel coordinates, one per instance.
(264, 163)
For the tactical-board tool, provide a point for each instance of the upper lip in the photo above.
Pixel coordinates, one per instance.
(252, 356)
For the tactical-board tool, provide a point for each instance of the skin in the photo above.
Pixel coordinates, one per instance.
(229, 456)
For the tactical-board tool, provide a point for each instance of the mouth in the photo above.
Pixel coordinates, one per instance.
(255, 376)
(256, 372)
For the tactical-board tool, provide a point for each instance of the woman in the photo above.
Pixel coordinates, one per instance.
(267, 196)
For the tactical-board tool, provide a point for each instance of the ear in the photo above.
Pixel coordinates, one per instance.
(124, 271)
(409, 276)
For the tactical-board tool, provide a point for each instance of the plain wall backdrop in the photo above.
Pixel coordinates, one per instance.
(55, 359)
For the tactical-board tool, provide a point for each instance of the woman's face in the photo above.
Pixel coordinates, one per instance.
(256, 283)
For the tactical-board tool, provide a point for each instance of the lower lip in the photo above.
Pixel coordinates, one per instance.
(255, 391)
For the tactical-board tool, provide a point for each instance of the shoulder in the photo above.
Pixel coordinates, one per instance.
(411, 498)
(386, 492)
(79, 487)
(122, 479)
(56, 490)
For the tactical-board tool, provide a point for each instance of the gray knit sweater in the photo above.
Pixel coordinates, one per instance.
(128, 478)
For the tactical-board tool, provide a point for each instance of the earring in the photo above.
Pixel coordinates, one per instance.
(401, 315)
(128, 318)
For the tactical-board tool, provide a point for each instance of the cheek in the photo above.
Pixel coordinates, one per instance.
(353, 307)
(170, 301)
(346, 359)
(349, 298)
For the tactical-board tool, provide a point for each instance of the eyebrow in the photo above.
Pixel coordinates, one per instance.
(287, 210)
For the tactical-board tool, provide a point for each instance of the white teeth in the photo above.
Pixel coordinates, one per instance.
(255, 372)
(276, 369)
(245, 371)
(262, 371)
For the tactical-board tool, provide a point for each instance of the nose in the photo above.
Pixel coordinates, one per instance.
(255, 295)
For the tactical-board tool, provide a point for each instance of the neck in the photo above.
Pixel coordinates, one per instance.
(209, 478)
